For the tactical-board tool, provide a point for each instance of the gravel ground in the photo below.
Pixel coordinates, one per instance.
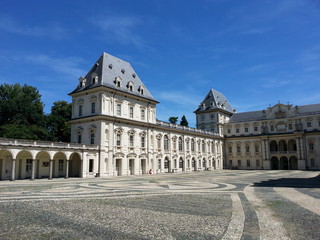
(157, 217)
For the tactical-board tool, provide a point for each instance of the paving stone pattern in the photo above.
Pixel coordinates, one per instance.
(200, 205)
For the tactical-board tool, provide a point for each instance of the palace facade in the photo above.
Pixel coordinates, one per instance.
(114, 131)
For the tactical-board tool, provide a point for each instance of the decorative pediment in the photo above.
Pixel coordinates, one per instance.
(131, 132)
(118, 130)
(143, 134)
(159, 136)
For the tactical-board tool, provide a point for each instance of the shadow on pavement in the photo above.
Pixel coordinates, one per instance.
(291, 183)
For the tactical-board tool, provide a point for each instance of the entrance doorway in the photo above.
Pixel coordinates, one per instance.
(143, 166)
(118, 167)
(131, 167)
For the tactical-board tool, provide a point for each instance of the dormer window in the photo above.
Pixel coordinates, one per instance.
(134, 75)
(110, 66)
(130, 86)
(141, 90)
(82, 81)
(94, 78)
(123, 71)
(117, 81)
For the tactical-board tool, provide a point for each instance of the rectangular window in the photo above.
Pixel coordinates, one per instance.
(230, 149)
(290, 126)
(90, 165)
(60, 166)
(92, 138)
(119, 109)
(159, 164)
(313, 163)
(272, 128)
(143, 142)
(247, 149)
(311, 146)
(131, 141)
(239, 163)
(257, 148)
(246, 129)
(212, 116)
(309, 124)
(238, 149)
(248, 163)
(79, 138)
(257, 163)
(131, 112)
(80, 110)
(229, 130)
(118, 140)
(28, 165)
(255, 129)
(142, 114)
(202, 117)
(93, 107)
(237, 130)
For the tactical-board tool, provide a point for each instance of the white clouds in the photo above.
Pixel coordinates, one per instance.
(9, 25)
(121, 29)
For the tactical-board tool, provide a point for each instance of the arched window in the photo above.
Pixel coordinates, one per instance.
(166, 142)
(180, 144)
(192, 145)
(203, 146)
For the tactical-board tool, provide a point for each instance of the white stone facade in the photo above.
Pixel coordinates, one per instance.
(114, 131)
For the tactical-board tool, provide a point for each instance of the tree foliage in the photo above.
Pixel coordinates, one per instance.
(184, 121)
(58, 121)
(22, 115)
(173, 120)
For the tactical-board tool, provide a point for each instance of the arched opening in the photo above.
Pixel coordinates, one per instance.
(75, 165)
(283, 147)
(284, 164)
(274, 163)
(214, 163)
(181, 164)
(273, 146)
(292, 145)
(59, 165)
(167, 167)
(293, 163)
(42, 165)
(23, 165)
(194, 164)
(204, 164)
(131, 167)
(5, 165)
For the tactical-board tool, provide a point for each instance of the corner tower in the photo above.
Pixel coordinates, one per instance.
(213, 112)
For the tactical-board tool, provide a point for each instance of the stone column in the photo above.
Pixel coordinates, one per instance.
(67, 169)
(50, 169)
(33, 169)
(13, 170)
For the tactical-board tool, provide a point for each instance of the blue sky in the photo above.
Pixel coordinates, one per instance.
(255, 52)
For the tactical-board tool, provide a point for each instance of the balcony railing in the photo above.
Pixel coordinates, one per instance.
(283, 152)
(47, 144)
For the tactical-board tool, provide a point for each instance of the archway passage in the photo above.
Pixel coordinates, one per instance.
(166, 165)
(75, 165)
(194, 164)
(131, 167)
(5, 165)
(181, 164)
(24, 165)
(284, 164)
(293, 163)
(274, 163)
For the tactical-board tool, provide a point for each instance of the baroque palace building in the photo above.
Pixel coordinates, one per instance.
(114, 131)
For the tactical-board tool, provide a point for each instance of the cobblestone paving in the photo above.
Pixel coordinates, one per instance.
(199, 205)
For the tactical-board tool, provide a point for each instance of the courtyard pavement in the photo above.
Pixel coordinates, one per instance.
(219, 204)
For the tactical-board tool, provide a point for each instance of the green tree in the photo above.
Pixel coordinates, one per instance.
(21, 113)
(184, 121)
(59, 118)
(173, 120)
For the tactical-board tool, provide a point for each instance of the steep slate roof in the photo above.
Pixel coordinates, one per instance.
(108, 68)
(214, 100)
(302, 110)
